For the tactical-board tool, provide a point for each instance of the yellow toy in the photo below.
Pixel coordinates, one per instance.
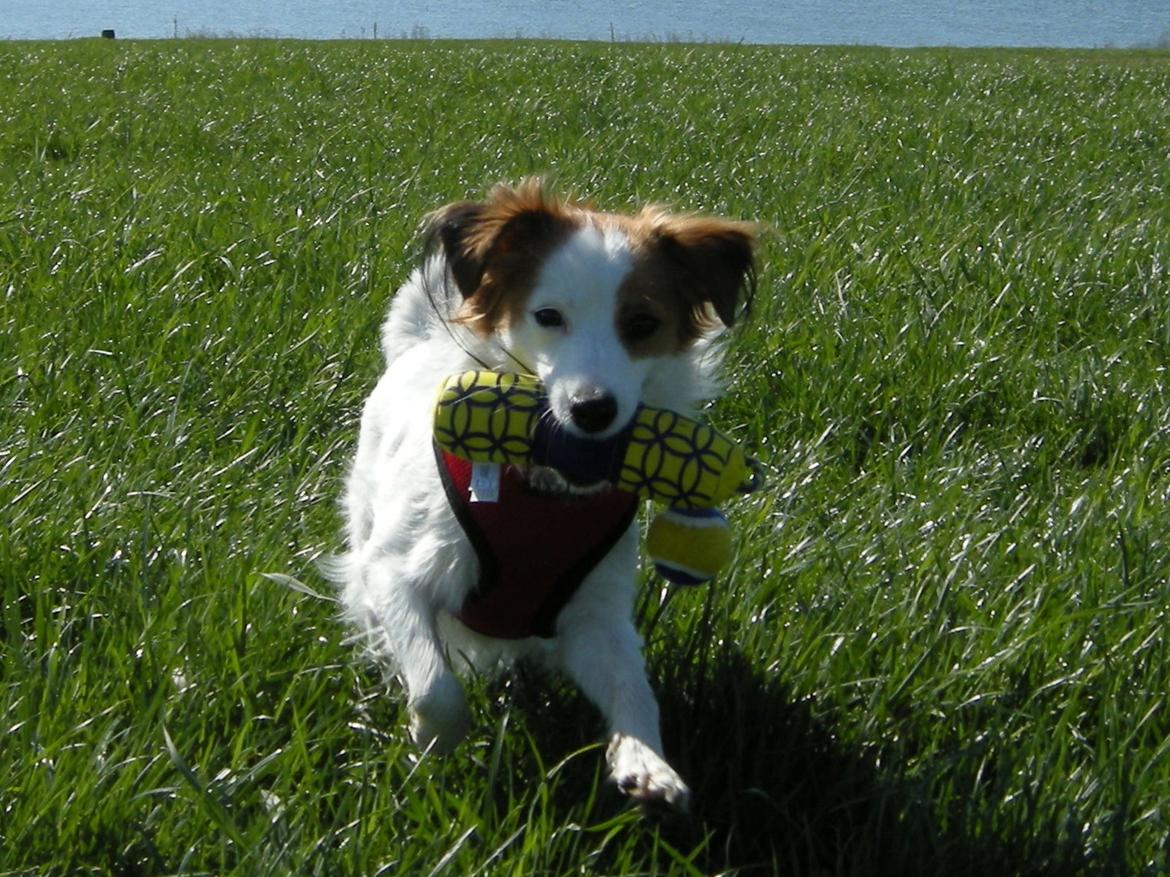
(488, 417)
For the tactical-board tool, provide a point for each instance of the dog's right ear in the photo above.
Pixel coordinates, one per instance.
(495, 247)
(452, 225)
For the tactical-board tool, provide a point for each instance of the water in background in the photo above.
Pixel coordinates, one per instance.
(1056, 23)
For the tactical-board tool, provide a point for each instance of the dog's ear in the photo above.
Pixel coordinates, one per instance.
(454, 227)
(513, 228)
(717, 256)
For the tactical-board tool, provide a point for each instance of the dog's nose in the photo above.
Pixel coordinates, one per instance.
(593, 413)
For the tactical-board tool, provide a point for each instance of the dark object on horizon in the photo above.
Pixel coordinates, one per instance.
(108, 34)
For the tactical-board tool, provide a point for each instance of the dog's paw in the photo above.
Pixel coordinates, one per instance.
(440, 718)
(641, 773)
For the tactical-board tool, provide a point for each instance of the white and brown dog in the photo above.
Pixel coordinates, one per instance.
(609, 311)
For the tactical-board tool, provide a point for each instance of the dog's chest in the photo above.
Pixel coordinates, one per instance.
(534, 549)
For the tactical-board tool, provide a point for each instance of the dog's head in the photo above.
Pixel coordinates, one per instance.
(597, 305)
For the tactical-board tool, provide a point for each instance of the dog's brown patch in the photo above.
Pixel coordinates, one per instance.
(690, 273)
(495, 248)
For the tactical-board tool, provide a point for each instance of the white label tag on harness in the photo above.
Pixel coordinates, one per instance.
(485, 482)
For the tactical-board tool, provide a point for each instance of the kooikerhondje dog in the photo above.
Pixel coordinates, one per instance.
(609, 311)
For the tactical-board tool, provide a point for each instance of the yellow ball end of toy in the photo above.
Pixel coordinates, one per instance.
(689, 546)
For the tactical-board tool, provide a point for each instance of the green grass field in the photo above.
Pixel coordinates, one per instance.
(943, 647)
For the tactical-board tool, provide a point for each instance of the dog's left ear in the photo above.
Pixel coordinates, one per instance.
(718, 257)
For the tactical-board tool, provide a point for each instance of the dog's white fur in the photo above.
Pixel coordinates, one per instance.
(409, 564)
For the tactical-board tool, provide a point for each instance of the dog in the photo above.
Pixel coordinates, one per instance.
(609, 311)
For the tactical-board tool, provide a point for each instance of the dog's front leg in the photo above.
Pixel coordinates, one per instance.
(603, 655)
(396, 607)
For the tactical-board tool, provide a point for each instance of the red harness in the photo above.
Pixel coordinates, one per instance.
(534, 550)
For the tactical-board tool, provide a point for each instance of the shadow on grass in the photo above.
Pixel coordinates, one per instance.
(775, 792)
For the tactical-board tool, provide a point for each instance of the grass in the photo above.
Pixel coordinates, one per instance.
(942, 648)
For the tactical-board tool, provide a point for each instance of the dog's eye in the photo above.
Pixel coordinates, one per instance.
(550, 318)
(640, 327)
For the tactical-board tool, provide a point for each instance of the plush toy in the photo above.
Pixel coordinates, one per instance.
(488, 417)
